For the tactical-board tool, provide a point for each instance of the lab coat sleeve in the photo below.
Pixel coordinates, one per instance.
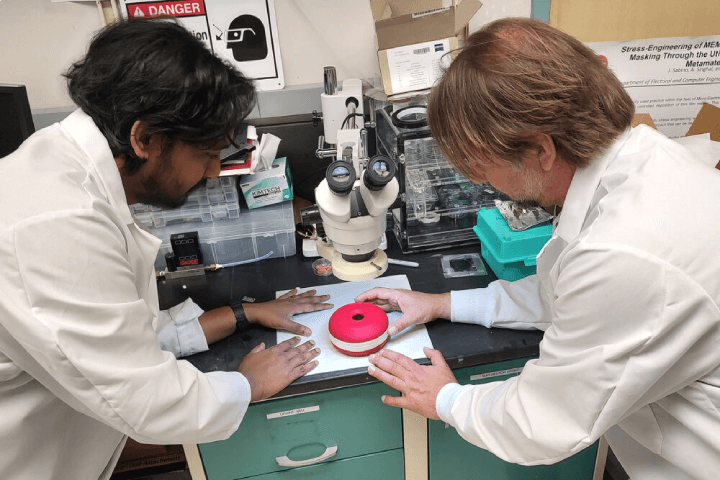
(179, 330)
(86, 323)
(518, 305)
(628, 329)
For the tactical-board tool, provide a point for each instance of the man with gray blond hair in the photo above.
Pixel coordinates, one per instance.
(626, 290)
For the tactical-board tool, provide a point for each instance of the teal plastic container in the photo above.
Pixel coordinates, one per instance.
(511, 255)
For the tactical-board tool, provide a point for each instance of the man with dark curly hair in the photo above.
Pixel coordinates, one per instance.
(86, 357)
(627, 289)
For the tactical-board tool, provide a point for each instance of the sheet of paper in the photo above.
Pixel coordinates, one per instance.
(418, 66)
(409, 342)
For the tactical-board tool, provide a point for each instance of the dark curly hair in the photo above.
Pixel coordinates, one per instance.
(156, 71)
(517, 77)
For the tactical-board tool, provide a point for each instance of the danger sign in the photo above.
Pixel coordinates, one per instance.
(178, 8)
(241, 32)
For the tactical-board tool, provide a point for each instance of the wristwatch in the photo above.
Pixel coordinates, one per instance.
(241, 320)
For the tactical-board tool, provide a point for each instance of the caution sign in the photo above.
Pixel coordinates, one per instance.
(242, 33)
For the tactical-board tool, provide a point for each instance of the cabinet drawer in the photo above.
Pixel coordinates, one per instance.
(351, 420)
(377, 466)
(492, 372)
(452, 457)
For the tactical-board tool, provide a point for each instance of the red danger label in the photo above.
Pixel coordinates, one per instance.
(178, 8)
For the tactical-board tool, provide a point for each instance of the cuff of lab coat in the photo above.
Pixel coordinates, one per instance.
(446, 399)
(190, 335)
(472, 306)
(232, 390)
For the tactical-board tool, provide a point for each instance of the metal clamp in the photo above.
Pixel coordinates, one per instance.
(322, 152)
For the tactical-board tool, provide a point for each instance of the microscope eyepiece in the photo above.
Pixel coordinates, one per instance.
(379, 172)
(340, 176)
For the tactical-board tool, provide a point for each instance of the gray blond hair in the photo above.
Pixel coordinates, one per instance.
(517, 77)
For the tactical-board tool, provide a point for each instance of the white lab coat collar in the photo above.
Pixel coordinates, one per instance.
(91, 141)
(582, 189)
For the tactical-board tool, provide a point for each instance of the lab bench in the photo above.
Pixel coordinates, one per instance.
(333, 425)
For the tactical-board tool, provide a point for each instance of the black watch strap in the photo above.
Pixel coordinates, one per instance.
(241, 320)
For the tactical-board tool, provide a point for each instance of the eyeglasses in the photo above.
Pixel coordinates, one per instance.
(237, 34)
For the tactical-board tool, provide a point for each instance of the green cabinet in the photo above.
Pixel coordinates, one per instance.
(350, 434)
(377, 466)
(452, 457)
(316, 429)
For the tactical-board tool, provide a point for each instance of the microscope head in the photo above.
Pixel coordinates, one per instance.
(353, 210)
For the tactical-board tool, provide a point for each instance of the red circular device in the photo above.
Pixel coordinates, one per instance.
(358, 329)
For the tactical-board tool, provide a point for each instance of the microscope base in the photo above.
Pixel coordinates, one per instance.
(354, 271)
(309, 246)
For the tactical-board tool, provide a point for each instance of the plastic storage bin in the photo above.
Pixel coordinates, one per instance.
(511, 255)
(439, 205)
(252, 234)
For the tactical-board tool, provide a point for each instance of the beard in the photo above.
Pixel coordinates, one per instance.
(157, 196)
(529, 192)
(157, 187)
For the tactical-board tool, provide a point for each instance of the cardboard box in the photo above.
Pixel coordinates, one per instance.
(644, 119)
(414, 68)
(706, 121)
(268, 187)
(413, 37)
(419, 21)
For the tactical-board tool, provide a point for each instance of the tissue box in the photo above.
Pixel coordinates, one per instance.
(268, 187)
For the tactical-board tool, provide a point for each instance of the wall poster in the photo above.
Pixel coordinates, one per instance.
(668, 78)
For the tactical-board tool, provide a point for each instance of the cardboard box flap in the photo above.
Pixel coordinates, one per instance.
(384, 9)
(707, 121)
(380, 10)
(401, 30)
(403, 7)
(644, 119)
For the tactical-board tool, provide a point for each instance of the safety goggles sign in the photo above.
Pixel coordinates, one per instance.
(242, 33)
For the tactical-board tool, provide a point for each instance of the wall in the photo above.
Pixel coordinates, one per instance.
(39, 39)
(614, 20)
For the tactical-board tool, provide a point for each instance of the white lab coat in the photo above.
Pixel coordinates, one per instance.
(627, 291)
(80, 361)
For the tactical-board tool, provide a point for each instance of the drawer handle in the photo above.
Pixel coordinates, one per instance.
(286, 462)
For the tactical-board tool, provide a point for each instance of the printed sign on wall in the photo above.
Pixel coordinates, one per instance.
(242, 32)
(667, 78)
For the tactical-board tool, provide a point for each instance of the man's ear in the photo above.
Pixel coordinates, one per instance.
(139, 141)
(545, 150)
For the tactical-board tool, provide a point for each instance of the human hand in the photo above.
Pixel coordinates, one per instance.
(269, 370)
(276, 313)
(418, 385)
(417, 307)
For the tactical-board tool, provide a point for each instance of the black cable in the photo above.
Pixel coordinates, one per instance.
(349, 117)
